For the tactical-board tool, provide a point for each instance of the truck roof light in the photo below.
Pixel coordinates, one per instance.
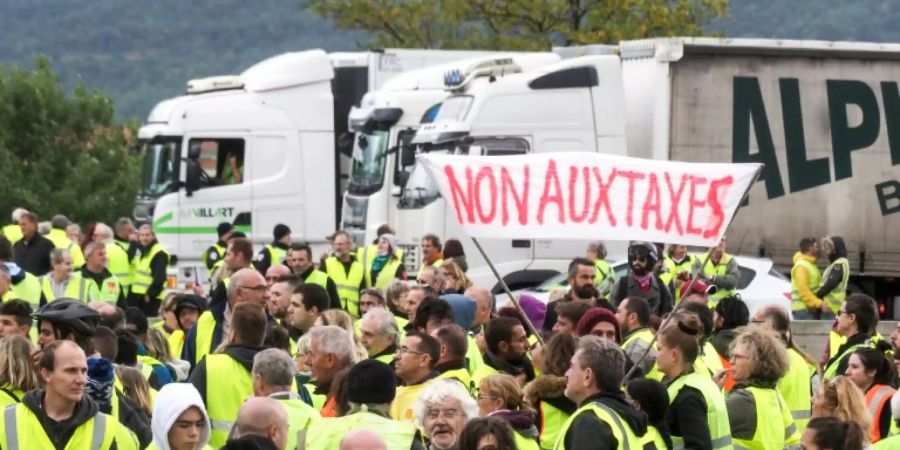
(212, 84)
(458, 79)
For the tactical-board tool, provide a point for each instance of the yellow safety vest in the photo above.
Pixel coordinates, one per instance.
(118, 263)
(836, 297)
(347, 283)
(13, 233)
(176, 342)
(143, 275)
(525, 442)
(28, 289)
(711, 358)
(552, 420)
(796, 388)
(711, 270)
(620, 429)
(814, 281)
(300, 415)
(10, 396)
(61, 240)
(890, 443)
(367, 255)
(77, 287)
(326, 433)
(228, 384)
(675, 268)
(317, 277)
(716, 411)
(829, 372)
(653, 436)
(220, 250)
(474, 358)
(402, 406)
(276, 256)
(22, 429)
(604, 276)
(318, 400)
(108, 290)
(153, 446)
(643, 334)
(771, 433)
(206, 326)
(386, 276)
(436, 263)
(461, 375)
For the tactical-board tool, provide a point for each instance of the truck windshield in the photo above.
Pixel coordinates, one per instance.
(367, 165)
(420, 190)
(160, 165)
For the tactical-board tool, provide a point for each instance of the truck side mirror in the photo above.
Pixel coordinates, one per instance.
(194, 152)
(402, 178)
(192, 175)
(407, 157)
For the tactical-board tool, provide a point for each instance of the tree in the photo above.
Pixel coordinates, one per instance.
(62, 153)
(517, 24)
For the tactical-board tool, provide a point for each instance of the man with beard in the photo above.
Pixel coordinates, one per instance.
(640, 282)
(582, 273)
(507, 345)
(280, 299)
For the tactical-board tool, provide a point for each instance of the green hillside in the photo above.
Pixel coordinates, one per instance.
(141, 52)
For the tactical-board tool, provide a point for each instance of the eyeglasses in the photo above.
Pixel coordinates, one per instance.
(409, 350)
(485, 396)
(448, 414)
(260, 288)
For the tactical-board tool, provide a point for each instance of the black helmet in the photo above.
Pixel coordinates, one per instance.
(643, 249)
(71, 313)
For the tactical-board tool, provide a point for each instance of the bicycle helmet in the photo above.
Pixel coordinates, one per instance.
(643, 249)
(71, 313)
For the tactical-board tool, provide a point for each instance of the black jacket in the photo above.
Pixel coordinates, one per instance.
(34, 255)
(512, 368)
(589, 432)
(158, 266)
(263, 259)
(686, 417)
(240, 353)
(658, 296)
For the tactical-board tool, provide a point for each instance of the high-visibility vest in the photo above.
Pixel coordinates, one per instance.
(153, 446)
(276, 254)
(220, 251)
(813, 277)
(711, 358)
(712, 269)
(22, 429)
(716, 411)
(61, 240)
(877, 397)
(436, 263)
(524, 442)
(643, 334)
(461, 375)
(552, 420)
(835, 341)
(474, 358)
(829, 372)
(29, 289)
(604, 276)
(386, 276)
(890, 443)
(836, 297)
(368, 254)
(13, 233)
(653, 436)
(300, 415)
(77, 287)
(404, 401)
(317, 277)
(675, 268)
(10, 396)
(347, 283)
(796, 388)
(108, 290)
(143, 273)
(326, 434)
(318, 400)
(176, 342)
(147, 365)
(228, 384)
(118, 263)
(771, 433)
(620, 429)
(206, 327)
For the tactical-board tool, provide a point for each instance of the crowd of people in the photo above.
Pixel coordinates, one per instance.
(356, 351)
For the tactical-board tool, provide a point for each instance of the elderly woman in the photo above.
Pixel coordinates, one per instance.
(442, 410)
(759, 359)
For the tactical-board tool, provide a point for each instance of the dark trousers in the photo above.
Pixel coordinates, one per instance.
(150, 308)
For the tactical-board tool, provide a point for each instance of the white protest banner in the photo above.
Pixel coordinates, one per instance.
(590, 196)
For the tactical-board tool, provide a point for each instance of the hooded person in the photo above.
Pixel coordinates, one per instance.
(180, 420)
(463, 309)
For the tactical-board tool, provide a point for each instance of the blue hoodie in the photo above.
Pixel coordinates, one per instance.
(463, 309)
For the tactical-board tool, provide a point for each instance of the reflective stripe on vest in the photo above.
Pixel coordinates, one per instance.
(203, 342)
(29, 289)
(712, 269)
(326, 434)
(676, 268)
(876, 398)
(624, 435)
(367, 255)
(813, 279)
(317, 277)
(552, 420)
(228, 384)
(76, 287)
(387, 274)
(97, 433)
(143, 275)
(716, 411)
(347, 283)
(795, 388)
(770, 433)
(839, 293)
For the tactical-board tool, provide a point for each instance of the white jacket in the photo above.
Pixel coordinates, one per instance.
(172, 400)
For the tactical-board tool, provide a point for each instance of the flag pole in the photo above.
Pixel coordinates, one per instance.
(512, 298)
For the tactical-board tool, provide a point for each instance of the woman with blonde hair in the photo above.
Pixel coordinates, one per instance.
(500, 396)
(17, 375)
(455, 280)
(758, 414)
(135, 387)
(395, 297)
(842, 399)
(341, 318)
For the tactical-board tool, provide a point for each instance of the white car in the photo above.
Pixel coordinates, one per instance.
(760, 285)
